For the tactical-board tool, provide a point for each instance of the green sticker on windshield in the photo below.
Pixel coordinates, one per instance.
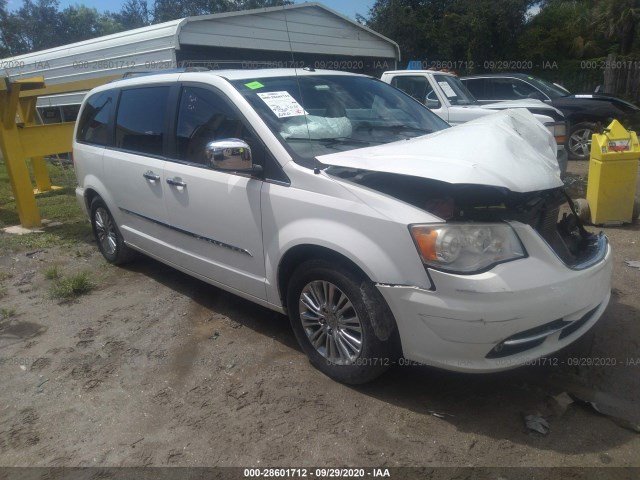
(254, 85)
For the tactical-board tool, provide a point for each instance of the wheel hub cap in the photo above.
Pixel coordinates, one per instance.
(105, 231)
(330, 322)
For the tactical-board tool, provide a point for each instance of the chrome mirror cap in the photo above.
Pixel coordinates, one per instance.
(229, 154)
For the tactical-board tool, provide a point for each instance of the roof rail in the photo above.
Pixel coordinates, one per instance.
(169, 70)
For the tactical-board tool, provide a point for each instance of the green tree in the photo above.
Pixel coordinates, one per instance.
(79, 23)
(165, 10)
(454, 30)
(5, 49)
(619, 22)
(561, 30)
(36, 25)
(236, 5)
(133, 14)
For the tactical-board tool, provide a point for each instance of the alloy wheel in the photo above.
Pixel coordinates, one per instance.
(330, 322)
(105, 231)
(580, 143)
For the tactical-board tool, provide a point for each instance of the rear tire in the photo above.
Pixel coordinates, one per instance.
(107, 235)
(333, 311)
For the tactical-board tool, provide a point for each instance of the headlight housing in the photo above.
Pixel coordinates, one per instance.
(559, 131)
(466, 248)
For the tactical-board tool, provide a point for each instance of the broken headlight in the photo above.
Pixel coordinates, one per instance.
(466, 248)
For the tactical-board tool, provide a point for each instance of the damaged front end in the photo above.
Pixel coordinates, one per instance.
(514, 275)
(549, 212)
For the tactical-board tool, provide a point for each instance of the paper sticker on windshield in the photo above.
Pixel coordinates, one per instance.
(446, 88)
(282, 104)
(253, 85)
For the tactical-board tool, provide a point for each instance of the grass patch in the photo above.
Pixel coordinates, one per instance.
(71, 287)
(3, 292)
(66, 235)
(7, 313)
(57, 205)
(52, 273)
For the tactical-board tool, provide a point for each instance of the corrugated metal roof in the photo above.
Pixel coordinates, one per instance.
(99, 56)
(308, 27)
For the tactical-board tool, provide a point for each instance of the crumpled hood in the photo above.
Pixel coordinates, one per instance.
(509, 149)
(523, 103)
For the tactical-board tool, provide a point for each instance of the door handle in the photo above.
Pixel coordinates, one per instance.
(176, 182)
(149, 175)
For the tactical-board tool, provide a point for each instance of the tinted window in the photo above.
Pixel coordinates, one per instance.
(548, 88)
(203, 116)
(524, 90)
(512, 89)
(476, 87)
(141, 118)
(94, 123)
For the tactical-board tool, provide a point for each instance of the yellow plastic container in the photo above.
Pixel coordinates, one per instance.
(613, 169)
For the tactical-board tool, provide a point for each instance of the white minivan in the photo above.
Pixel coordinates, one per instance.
(382, 232)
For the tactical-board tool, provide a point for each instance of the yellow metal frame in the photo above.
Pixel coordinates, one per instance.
(21, 138)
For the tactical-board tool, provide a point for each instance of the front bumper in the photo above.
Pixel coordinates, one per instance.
(501, 319)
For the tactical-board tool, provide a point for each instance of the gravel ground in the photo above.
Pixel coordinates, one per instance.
(154, 368)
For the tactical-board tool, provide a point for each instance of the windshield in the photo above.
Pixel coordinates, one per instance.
(552, 91)
(454, 89)
(316, 115)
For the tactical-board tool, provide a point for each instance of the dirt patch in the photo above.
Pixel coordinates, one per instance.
(153, 367)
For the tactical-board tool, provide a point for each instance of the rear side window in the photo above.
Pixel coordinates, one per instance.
(94, 122)
(141, 119)
(512, 89)
(476, 87)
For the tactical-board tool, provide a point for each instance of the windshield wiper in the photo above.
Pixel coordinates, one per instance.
(333, 140)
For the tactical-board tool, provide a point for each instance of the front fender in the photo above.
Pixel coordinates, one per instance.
(386, 257)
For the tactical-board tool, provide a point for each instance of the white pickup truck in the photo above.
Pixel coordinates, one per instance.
(446, 96)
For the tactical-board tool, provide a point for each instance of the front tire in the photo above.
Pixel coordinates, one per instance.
(333, 311)
(107, 235)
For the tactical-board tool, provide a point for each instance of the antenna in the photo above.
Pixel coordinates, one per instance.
(316, 168)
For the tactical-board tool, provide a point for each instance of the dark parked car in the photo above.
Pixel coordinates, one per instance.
(583, 111)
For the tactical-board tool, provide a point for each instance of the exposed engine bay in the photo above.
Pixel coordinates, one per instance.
(549, 212)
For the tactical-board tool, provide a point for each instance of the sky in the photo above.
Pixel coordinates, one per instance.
(345, 7)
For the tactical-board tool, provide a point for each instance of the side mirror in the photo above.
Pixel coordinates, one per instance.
(230, 154)
(431, 103)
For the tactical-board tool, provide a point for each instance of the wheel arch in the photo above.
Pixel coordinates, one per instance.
(89, 195)
(384, 328)
(583, 118)
(302, 252)
(93, 188)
